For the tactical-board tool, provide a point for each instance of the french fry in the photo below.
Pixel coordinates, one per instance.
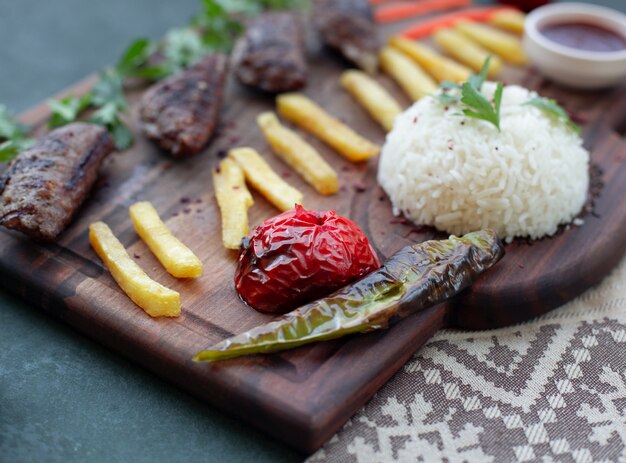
(234, 200)
(304, 112)
(267, 182)
(508, 47)
(409, 75)
(438, 66)
(298, 154)
(175, 257)
(468, 52)
(372, 96)
(511, 20)
(153, 297)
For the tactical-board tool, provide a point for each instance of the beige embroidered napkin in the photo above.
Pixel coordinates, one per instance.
(553, 389)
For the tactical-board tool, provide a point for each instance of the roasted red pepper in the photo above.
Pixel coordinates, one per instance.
(299, 256)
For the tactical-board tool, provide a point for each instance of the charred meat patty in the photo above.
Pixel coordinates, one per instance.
(348, 26)
(270, 57)
(46, 184)
(181, 113)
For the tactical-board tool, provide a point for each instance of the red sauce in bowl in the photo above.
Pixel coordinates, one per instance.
(584, 36)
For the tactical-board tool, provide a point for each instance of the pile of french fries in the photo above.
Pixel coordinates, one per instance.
(417, 68)
(179, 261)
(245, 165)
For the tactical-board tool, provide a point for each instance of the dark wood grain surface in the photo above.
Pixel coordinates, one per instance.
(304, 395)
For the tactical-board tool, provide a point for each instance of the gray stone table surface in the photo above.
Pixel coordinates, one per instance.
(62, 396)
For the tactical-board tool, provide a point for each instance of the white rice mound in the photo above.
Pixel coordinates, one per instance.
(460, 174)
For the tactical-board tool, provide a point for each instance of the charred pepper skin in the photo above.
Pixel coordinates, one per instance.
(299, 256)
(415, 278)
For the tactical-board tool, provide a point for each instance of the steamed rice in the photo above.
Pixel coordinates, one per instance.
(460, 174)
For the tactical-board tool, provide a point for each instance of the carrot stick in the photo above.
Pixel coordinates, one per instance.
(425, 28)
(399, 11)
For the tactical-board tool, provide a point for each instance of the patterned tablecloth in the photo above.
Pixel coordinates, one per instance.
(551, 390)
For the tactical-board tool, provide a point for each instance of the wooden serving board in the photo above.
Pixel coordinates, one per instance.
(301, 396)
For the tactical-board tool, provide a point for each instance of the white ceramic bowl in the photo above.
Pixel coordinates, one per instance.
(570, 66)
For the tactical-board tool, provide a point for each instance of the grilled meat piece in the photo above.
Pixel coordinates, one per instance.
(45, 185)
(181, 113)
(270, 57)
(348, 26)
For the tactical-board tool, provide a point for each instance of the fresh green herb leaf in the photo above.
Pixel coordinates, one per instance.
(181, 48)
(446, 98)
(448, 94)
(13, 136)
(9, 127)
(108, 97)
(552, 109)
(109, 89)
(11, 148)
(474, 104)
(478, 107)
(284, 4)
(218, 29)
(135, 57)
(122, 135)
(67, 109)
(109, 116)
(477, 80)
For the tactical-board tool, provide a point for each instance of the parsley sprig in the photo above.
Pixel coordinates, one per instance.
(473, 102)
(13, 136)
(552, 109)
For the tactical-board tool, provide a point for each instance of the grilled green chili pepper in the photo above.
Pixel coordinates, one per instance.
(412, 280)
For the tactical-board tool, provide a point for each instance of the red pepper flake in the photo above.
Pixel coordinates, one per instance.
(401, 221)
(184, 200)
(360, 187)
(286, 174)
(218, 169)
(415, 120)
(579, 117)
(136, 256)
(381, 198)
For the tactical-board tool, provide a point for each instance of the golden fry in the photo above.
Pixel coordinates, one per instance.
(508, 47)
(304, 112)
(409, 75)
(263, 178)
(372, 96)
(438, 66)
(468, 52)
(510, 20)
(177, 258)
(153, 297)
(234, 200)
(298, 154)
